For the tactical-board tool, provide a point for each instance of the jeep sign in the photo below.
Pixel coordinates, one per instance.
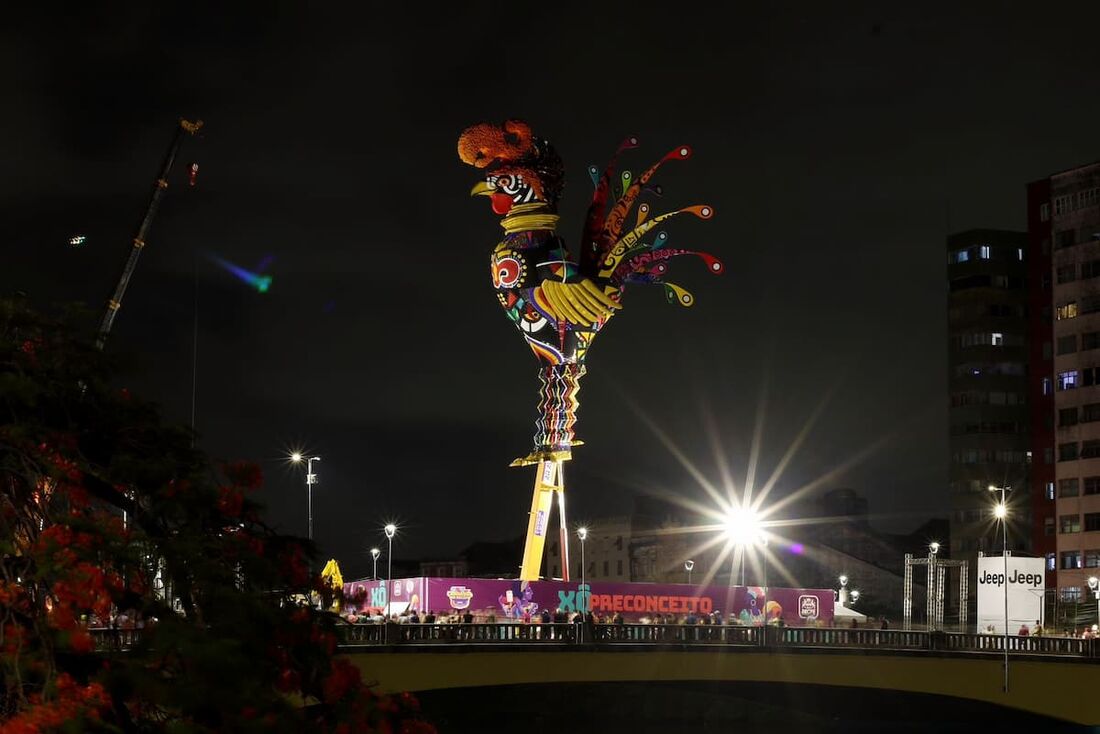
(1026, 584)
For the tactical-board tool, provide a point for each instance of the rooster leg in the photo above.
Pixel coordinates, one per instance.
(554, 437)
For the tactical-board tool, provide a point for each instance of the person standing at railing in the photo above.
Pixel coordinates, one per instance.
(1038, 630)
(1023, 631)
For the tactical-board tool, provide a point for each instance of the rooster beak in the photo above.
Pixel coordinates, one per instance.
(482, 188)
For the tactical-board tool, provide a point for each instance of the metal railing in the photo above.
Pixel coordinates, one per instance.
(397, 636)
(400, 635)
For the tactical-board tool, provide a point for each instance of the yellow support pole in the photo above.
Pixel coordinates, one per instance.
(547, 482)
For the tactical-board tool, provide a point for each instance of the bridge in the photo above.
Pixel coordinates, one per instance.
(1050, 678)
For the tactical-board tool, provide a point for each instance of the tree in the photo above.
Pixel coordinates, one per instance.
(105, 508)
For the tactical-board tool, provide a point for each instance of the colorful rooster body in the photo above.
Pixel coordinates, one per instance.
(559, 303)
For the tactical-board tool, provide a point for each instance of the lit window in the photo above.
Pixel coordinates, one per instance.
(1046, 386)
(1051, 563)
(1050, 490)
(1020, 253)
(960, 256)
(998, 339)
(1067, 380)
(1066, 311)
(983, 252)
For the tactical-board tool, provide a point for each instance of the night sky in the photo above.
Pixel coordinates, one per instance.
(837, 150)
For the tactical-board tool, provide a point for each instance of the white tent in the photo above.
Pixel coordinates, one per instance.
(842, 613)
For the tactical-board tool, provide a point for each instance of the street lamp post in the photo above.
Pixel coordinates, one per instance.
(688, 566)
(1000, 511)
(391, 530)
(311, 479)
(374, 553)
(582, 533)
(1094, 584)
(842, 595)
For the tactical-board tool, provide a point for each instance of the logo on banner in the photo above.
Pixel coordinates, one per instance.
(1033, 580)
(397, 588)
(540, 523)
(808, 607)
(460, 597)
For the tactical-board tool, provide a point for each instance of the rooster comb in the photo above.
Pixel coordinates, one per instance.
(514, 147)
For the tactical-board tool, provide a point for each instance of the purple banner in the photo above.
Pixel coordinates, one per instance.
(505, 599)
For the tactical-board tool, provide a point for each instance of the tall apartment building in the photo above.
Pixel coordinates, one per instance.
(1073, 214)
(988, 383)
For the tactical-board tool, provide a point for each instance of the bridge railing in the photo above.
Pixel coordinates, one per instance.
(845, 637)
(967, 642)
(674, 634)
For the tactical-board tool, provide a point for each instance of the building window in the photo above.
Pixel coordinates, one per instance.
(1067, 344)
(1092, 558)
(1092, 522)
(1065, 273)
(619, 568)
(1066, 311)
(1067, 417)
(997, 339)
(1067, 380)
(1068, 524)
(1048, 526)
(1090, 413)
(1090, 340)
(1092, 485)
(1044, 212)
(1020, 254)
(1045, 385)
(1067, 451)
(1090, 269)
(1090, 449)
(1050, 490)
(984, 252)
(1051, 563)
(1065, 238)
(1070, 593)
(1048, 455)
(1068, 487)
(959, 256)
(1071, 560)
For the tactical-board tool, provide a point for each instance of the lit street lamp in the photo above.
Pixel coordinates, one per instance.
(1094, 584)
(842, 595)
(934, 547)
(582, 533)
(743, 529)
(374, 553)
(855, 595)
(688, 565)
(390, 530)
(1000, 511)
(311, 479)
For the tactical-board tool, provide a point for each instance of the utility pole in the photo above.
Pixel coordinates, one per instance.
(115, 302)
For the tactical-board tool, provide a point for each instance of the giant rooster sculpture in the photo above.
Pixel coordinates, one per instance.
(560, 303)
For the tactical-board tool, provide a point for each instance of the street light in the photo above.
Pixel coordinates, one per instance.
(582, 533)
(934, 547)
(842, 595)
(1000, 511)
(855, 595)
(1094, 584)
(374, 553)
(311, 479)
(390, 530)
(742, 526)
(688, 565)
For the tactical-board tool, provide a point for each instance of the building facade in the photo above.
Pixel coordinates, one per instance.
(1073, 212)
(989, 417)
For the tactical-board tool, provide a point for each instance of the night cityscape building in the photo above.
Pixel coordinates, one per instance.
(1072, 212)
(988, 414)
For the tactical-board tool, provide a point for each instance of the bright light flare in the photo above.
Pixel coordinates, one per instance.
(742, 526)
(260, 282)
(390, 530)
(296, 457)
(582, 532)
(1000, 511)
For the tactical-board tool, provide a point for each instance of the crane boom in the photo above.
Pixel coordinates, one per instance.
(184, 128)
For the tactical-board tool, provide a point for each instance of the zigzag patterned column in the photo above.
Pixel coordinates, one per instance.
(558, 408)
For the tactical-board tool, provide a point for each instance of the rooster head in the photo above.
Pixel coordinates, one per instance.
(519, 168)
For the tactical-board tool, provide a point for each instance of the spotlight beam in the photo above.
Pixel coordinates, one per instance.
(796, 444)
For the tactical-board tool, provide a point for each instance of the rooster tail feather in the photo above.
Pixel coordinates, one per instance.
(594, 220)
(614, 223)
(616, 253)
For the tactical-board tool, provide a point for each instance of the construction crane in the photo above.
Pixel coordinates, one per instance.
(184, 128)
